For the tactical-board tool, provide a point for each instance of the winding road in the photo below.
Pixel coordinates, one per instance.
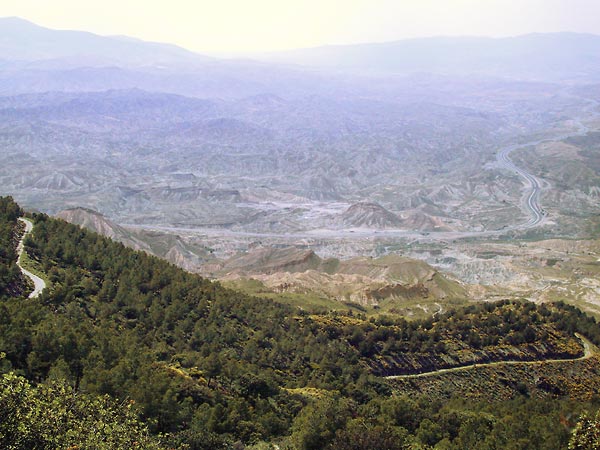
(38, 283)
(589, 350)
(533, 184)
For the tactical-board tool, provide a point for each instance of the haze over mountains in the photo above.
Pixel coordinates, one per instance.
(549, 57)
(37, 59)
(345, 149)
(308, 134)
(361, 207)
(24, 41)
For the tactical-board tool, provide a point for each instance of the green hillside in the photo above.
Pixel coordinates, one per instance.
(11, 282)
(204, 367)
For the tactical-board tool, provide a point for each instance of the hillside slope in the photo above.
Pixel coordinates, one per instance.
(393, 284)
(164, 245)
(213, 367)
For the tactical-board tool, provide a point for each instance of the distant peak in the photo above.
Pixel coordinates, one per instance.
(14, 20)
(18, 26)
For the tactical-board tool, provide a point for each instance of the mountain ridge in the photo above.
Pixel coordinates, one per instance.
(504, 56)
(22, 40)
(550, 56)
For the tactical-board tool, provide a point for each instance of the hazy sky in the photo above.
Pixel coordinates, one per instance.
(262, 25)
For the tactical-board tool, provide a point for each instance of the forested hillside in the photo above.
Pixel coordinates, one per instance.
(11, 282)
(209, 368)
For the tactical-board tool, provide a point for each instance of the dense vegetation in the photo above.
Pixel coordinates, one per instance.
(504, 330)
(54, 415)
(201, 362)
(211, 367)
(586, 434)
(11, 283)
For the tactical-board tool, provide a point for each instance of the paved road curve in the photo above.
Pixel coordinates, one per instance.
(589, 350)
(533, 185)
(38, 283)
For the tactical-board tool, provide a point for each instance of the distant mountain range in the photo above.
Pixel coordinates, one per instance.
(541, 56)
(153, 134)
(38, 59)
(24, 41)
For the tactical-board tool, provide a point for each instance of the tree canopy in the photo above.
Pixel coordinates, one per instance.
(141, 351)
